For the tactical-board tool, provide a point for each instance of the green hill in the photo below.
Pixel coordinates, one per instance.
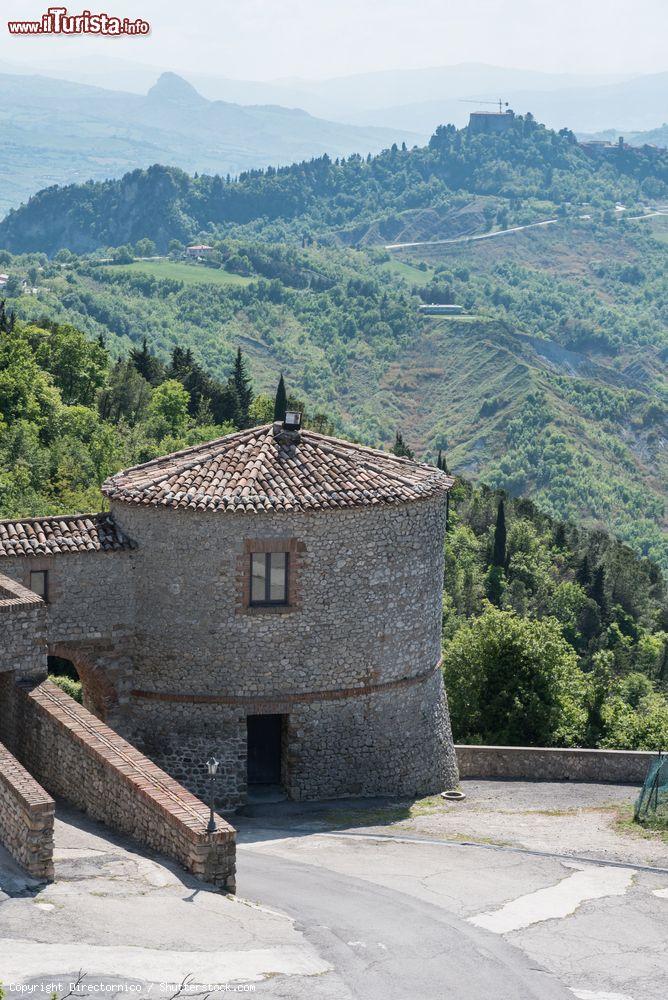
(552, 385)
(524, 174)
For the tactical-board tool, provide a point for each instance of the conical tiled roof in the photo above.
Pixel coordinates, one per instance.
(254, 470)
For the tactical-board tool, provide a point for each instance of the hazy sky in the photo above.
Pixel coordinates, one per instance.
(262, 39)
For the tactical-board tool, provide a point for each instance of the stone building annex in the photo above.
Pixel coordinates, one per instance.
(272, 598)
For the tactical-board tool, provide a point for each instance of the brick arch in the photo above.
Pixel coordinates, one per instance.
(99, 693)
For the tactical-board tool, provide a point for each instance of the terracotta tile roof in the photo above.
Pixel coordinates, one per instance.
(41, 536)
(252, 470)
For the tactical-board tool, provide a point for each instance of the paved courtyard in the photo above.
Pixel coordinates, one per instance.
(524, 890)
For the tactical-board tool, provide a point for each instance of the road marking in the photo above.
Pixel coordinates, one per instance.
(596, 995)
(661, 893)
(556, 901)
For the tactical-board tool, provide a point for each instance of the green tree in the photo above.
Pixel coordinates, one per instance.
(280, 401)
(244, 387)
(146, 363)
(516, 681)
(499, 551)
(168, 409)
(400, 448)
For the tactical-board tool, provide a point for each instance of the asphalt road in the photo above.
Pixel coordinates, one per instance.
(385, 944)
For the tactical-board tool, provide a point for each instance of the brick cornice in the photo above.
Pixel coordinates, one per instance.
(272, 701)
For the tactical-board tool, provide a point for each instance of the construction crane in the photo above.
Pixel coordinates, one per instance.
(502, 104)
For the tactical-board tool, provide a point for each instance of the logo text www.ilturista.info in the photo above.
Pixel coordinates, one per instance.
(57, 21)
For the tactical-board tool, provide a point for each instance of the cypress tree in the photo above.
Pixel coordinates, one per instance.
(243, 385)
(499, 554)
(6, 319)
(146, 363)
(281, 401)
(583, 573)
(400, 448)
(597, 592)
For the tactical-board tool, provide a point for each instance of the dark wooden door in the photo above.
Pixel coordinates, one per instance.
(264, 749)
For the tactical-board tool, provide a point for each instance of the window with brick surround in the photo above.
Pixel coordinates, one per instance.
(269, 573)
(39, 583)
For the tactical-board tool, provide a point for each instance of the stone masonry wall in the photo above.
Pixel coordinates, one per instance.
(553, 764)
(88, 619)
(76, 756)
(369, 582)
(26, 818)
(396, 743)
(22, 629)
(22, 647)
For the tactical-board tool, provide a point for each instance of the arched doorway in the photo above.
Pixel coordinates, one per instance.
(64, 673)
(78, 670)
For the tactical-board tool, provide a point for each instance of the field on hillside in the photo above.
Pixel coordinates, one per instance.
(190, 274)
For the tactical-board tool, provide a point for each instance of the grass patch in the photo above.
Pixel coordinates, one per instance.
(651, 830)
(189, 274)
(409, 272)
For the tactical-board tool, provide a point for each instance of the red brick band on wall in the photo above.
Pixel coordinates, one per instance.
(26, 818)
(77, 756)
(284, 698)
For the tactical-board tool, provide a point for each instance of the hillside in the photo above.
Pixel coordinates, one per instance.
(528, 172)
(573, 419)
(553, 385)
(57, 132)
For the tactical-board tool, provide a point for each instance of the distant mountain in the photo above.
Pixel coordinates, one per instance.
(57, 132)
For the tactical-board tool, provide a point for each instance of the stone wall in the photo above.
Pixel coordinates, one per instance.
(26, 818)
(549, 764)
(369, 582)
(394, 740)
(22, 629)
(76, 756)
(88, 619)
(22, 647)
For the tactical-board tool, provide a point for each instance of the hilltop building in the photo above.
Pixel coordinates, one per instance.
(272, 598)
(491, 121)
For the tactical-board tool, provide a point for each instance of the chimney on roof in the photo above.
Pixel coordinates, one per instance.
(287, 431)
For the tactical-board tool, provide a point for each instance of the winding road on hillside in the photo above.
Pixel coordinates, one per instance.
(506, 232)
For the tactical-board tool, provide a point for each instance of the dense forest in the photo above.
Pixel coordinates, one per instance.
(553, 634)
(530, 170)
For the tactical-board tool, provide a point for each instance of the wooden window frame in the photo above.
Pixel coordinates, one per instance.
(268, 602)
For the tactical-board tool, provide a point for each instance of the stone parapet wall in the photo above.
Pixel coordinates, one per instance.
(76, 756)
(26, 818)
(22, 629)
(551, 764)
